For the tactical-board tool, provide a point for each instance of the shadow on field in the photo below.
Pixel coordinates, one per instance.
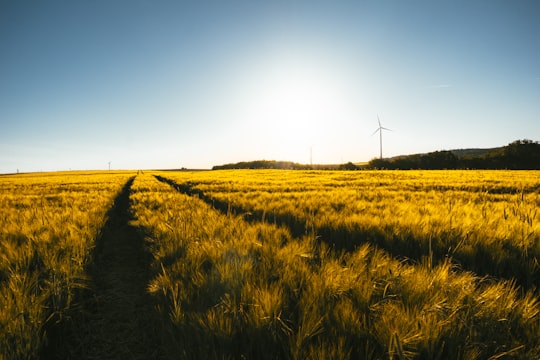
(116, 319)
(510, 263)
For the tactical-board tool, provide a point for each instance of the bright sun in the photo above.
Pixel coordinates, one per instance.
(296, 105)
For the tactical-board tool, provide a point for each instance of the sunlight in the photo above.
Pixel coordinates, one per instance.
(296, 104)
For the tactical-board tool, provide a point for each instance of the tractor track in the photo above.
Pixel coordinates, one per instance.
(116, 318)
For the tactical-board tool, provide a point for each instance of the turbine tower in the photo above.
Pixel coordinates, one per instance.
(380, 130)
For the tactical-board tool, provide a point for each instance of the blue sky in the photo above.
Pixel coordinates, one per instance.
(169, 84)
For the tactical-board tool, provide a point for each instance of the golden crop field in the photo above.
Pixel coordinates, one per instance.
(487, 221)
(48, 227)
(271, 264)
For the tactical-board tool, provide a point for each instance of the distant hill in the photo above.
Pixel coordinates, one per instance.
(460, 153)
(521, 154)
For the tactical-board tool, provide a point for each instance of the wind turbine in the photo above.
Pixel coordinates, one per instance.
(380, 130)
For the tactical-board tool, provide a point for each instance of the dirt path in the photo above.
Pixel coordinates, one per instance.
(117, 320)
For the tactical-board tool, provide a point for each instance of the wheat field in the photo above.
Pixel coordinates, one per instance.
(48, 227)
(272, 264)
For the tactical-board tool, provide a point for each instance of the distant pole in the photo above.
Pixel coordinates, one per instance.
(380, 130)
(380, 141)
(109, 166)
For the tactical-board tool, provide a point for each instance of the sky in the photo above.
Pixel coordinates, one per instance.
(169, 84)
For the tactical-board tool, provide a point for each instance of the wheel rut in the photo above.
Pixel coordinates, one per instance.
(117, 319)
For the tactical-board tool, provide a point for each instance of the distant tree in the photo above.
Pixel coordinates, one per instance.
(348, 166)
(439, 160)
(379, 164)
(522, 154)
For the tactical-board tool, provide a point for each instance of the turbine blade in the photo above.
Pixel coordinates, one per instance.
(386, 128)
(375, 131)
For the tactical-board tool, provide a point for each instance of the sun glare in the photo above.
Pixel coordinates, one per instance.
(296, 105)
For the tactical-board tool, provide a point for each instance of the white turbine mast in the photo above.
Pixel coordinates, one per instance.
(380, 130)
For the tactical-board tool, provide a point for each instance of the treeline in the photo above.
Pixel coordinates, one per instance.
(273, 164)
(519, 155)
(258, 164)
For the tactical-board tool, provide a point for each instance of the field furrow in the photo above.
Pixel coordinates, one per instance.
(116, 320)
